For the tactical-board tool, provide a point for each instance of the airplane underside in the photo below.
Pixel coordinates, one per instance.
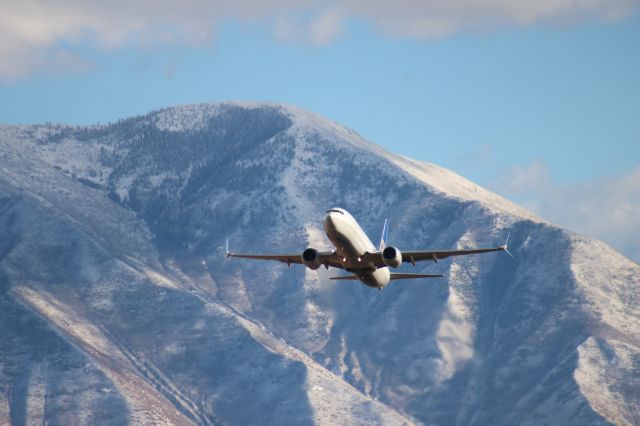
(355, 253)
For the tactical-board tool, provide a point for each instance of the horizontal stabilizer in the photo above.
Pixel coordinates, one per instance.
(345, 277)
(394, 276)
(398, 276)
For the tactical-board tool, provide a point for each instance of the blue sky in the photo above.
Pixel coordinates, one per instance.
(542, 106)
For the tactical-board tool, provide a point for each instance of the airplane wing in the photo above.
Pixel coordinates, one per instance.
(325, 258)
(418, 256)
(435, 255)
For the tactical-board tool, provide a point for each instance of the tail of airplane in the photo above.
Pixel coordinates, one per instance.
(385, 235)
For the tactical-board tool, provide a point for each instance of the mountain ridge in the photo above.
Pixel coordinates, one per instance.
(148, 202)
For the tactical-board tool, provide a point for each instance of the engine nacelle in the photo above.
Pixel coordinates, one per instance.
(310, 259)
(391, 256)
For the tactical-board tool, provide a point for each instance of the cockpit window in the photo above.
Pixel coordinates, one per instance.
(335, 211)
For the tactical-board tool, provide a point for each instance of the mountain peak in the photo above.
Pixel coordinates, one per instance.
(303, 123)
(114, 291)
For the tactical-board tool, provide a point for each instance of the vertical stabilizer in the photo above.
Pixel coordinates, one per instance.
(385, 234)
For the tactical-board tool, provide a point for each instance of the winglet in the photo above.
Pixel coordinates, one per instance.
(385, 235)
(227, 253)
(505, 246)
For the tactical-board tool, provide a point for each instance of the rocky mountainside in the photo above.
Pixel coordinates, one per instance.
(116, 306)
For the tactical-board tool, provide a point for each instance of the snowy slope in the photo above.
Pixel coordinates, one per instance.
(116, 306)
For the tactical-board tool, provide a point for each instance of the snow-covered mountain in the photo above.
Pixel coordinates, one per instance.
(116, 306)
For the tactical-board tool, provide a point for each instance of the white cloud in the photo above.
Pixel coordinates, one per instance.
(319, 29)
(607, 208)
(326, 27)
(31, 28)
(437, 18)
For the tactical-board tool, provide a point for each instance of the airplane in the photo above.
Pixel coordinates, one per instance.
(355, 253)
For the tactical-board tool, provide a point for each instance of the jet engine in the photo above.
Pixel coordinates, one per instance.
(310, 258)
(391, 256)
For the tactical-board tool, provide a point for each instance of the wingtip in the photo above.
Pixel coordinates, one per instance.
(227, 253)
(505, 249)
(505, 246)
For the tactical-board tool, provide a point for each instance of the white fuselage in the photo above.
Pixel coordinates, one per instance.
(351, 244)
